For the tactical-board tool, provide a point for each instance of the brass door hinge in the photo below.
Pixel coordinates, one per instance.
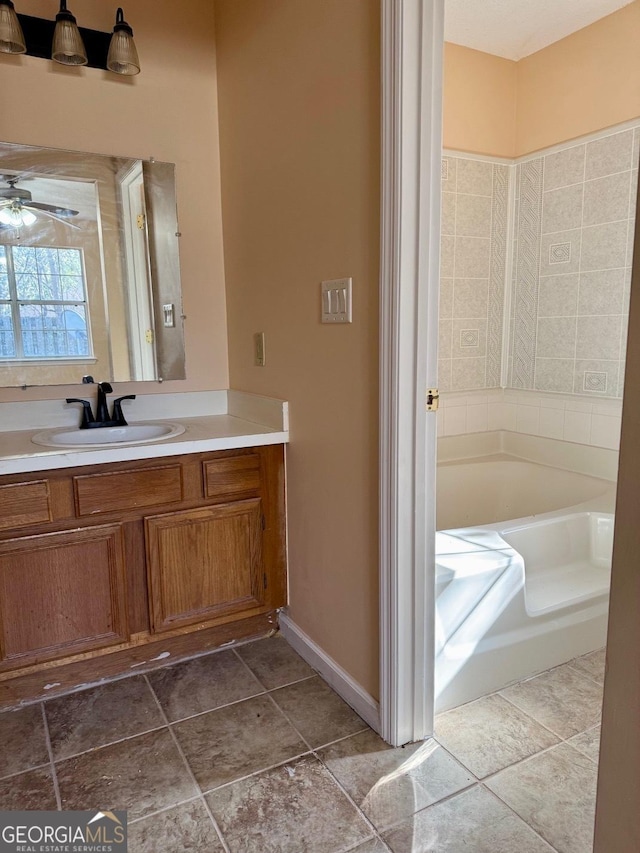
(433, 399)
(141, 221)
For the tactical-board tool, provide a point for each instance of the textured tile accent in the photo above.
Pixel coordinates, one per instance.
(274, 663)
(490, 734)
(555, 793)
(23, 741)
(202, 684)
(143, 775)
(472, 821)
(497, 272)
(236, 741)
(391, 784)
(526, 294)
(183, 828)
(594, 381)
(469, 337)
(102, 715)
(560, 253)
(294, 808)
(444, 174)
(317, 712)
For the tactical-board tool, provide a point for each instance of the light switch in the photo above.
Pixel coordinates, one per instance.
(336, 300)
(168, 316)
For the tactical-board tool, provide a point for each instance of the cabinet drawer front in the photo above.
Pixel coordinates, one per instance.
(62, 593)
(122, 490)
(24, 503)
(205, 563)
(234, 477)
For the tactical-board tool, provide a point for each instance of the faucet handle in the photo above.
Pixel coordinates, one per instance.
(87, 414)
(118, 416)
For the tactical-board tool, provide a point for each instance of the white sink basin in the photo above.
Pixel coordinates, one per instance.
(141, 433)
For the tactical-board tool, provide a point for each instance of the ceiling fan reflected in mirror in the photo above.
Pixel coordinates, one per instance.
(17, 208)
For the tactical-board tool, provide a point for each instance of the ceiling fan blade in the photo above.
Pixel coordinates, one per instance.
(52, 208)
(48, 213)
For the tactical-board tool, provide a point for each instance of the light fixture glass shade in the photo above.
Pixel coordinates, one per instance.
(68, 47)
(123, 56)
(11, 35)
(16, 216)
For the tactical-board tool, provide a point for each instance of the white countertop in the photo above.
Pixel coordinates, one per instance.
(18, 454)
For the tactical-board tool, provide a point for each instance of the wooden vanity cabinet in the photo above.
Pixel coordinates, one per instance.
(102, 558)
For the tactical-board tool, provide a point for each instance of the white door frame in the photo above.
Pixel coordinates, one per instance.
(412, 53)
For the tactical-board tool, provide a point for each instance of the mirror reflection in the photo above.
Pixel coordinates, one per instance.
(89, 268)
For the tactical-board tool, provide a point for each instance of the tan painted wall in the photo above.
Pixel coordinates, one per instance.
(581, 84)
(585, 82)
(479, 102)
(170, 112)
(617, 819)
(299, 133)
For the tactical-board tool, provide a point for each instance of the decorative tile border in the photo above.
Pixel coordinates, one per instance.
(497, 274)
(527, 267)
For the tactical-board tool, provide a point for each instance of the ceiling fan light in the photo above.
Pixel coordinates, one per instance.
(68, 47)
(123, 56)
(11, 35)
(16, 216)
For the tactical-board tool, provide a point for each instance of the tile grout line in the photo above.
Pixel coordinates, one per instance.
(54, 775)
(519, 817)
(202, 798)
(42, 766)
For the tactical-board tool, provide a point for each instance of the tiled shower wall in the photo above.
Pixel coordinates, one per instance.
(572, 231)
(473, 265)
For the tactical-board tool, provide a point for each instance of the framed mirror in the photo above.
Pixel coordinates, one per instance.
(89, 268)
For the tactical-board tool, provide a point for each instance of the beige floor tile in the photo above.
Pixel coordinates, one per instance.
(22, 739)
(238, 740)
(32, 790)
(142, 775)
(295, 808)
(562, 699)
(102, 715)
(317, 712)
(373, 845)
(473, 821)
(588, 743)
(203, 684)
(555, 793)
(184, 828)
(490, 734)
(391, 784)
(592, 665)
(274, 662)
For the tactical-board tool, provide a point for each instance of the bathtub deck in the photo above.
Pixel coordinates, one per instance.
(564, 585)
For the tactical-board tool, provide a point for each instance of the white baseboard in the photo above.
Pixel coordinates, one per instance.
(339, 679)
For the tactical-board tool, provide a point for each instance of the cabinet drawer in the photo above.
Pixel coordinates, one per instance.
(234, 477)
(122, 490)
(24, 503)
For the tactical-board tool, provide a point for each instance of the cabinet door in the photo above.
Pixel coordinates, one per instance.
(61, 593)
(204, 563)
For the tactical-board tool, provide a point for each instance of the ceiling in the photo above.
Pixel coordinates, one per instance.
(515, 28)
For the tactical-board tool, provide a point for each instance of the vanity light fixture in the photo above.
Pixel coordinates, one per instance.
(123, 56)
(11, 35)
(68, 47)
(66, 43)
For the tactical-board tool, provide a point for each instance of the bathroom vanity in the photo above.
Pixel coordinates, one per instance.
(156, 550)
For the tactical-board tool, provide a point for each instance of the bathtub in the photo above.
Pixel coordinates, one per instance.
(523, 562)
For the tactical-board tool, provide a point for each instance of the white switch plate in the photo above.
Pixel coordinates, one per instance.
(336, 300)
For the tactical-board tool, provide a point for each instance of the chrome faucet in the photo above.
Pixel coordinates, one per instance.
(102, 418)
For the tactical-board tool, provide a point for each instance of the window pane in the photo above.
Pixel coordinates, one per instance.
(4, 279)
(72, 288)
(50, 331)
(47, 261)
(7, 340)
(50, 286)
(70, 262)
(24, 259)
